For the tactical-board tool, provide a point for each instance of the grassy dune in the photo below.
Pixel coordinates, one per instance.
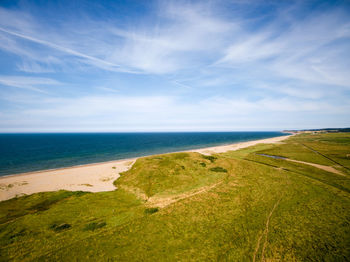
(234, 206)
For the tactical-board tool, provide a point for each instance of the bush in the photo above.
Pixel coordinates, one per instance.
(203, 164)
(151, 210)
(210, 158)
(218, 169)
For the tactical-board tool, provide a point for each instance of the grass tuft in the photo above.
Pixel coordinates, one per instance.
(60, 227)
(94, 225)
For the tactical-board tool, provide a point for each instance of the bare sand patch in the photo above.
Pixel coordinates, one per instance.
(92, 178)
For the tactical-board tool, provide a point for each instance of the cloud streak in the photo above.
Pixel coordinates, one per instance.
(96, 61)
(29, 83)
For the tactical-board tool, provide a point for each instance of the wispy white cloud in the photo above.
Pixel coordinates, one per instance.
(310, 49)
(30, 83)
(35, 67)
(156, 47)
(176, 43)
(96, 61)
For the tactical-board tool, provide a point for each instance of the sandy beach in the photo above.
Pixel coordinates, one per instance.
(92, 177)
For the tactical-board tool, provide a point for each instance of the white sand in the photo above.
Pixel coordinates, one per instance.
(93, 177)
(233, 147)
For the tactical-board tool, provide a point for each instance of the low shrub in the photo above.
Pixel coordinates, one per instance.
(218, 169)
(151, 210)
(210, 158)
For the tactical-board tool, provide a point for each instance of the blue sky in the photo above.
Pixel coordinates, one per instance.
(72, 66)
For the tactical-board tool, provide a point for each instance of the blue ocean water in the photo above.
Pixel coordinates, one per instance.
(32, 152)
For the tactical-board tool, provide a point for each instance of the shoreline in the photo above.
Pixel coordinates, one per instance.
(71, 167)
(212, 149)
(94, 177)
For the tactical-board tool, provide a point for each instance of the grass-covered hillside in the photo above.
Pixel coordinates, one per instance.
(234, 206)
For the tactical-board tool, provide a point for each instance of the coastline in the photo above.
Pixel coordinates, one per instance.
(94, 177)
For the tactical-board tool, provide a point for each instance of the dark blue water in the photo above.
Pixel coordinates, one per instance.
(32, 152)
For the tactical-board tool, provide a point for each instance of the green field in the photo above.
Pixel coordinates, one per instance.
(234, 206)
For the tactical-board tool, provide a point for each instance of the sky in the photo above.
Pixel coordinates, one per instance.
(144, 66)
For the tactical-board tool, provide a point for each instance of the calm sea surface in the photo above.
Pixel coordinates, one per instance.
(32, 152)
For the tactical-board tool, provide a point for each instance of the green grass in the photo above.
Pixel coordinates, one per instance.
(261, 207)
(95, 225)
(169, 174)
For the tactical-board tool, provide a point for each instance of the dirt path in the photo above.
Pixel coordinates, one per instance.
(326, 168)
(323, 167)
(264, 233)
(165, 201)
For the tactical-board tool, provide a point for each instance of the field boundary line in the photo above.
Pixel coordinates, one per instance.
(315, 151)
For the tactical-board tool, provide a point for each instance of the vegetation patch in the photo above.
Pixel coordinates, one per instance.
(106, 179)
(60, 226)
(151, 210)
(21, 233)
(18, 207)
(210, 158)
(89, 185)
(218, 169)
(203, 164)
(175, 173)
(94, 225)
(9, 186)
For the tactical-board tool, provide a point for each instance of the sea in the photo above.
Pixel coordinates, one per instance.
(20, 153)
